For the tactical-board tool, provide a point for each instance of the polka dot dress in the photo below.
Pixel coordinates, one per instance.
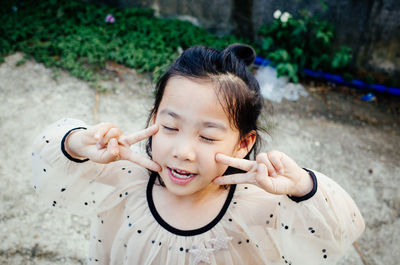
(252, 227)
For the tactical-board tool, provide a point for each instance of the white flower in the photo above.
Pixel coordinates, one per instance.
(180, 50)
(277, 14)
(285, 16)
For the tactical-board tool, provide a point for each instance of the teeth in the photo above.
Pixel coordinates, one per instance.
(182, 176)
(180, 171)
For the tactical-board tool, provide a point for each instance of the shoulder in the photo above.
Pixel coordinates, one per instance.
(122, 173)
(129, 181)
(250, 191)
(251, 198)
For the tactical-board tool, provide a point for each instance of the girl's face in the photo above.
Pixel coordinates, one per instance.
(193, 128)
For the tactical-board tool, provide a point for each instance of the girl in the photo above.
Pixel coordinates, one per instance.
(196, 198)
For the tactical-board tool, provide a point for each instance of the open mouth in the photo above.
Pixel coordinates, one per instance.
(180, 176)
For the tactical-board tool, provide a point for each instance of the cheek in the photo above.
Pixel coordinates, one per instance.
(213, 167)
(156, 147)
(221, 169)
(225, 148)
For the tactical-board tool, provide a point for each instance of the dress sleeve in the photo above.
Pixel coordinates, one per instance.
(76, 186)
(320, 229)
(314, 231)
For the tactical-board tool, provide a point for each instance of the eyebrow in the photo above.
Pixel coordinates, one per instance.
(207, 124)
(170, 113)
(210, 124)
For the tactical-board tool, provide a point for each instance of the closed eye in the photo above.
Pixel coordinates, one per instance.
(208, 140)
(169, 128)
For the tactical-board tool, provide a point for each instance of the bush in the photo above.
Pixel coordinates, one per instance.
(296, 43)
(80, 37)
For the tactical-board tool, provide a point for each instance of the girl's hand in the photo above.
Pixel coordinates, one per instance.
(274, 172)
(105, 143)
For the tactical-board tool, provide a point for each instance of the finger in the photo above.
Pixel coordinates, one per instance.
(101, 131)
(262, 158)
(239, 178)
(239, 163)
(140, 136)
(114, 132)
(142, 161)
(275, 158)
(112, 147)
(278, 185)
(263, 180)
(111, 153)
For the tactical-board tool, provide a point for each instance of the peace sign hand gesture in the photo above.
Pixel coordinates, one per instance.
(274, 172)
(104, 143)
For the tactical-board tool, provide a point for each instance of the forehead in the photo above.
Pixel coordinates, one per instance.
(192, 99)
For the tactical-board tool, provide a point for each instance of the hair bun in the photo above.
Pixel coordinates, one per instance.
(243, 52)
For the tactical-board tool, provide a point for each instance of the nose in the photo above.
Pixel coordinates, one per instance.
(184, 150)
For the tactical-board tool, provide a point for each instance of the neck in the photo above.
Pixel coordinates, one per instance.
(210, 192)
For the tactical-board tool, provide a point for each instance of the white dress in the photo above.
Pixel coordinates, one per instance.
(253, 226)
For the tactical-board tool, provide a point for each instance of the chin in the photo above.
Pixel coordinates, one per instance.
(181, 190)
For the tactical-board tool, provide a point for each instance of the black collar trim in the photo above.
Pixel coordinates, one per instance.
(179, 232)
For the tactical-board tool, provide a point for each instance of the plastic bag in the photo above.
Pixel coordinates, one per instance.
(275, 89)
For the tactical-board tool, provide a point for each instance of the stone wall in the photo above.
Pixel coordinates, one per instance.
(370, 27)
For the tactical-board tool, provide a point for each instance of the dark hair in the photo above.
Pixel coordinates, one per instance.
(236, 87)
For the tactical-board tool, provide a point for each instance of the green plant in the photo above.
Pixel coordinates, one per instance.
(80, 37)
(20, 62)
(296, 43)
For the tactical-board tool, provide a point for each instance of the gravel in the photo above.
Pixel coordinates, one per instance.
(331, 130)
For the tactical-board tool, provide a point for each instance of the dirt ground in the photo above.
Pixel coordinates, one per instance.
(331, 130)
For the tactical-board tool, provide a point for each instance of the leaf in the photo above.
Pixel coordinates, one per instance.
(297, 52)
(322, 36)
(341, 58)
(289, 70)
(267, 43)
(280, 55)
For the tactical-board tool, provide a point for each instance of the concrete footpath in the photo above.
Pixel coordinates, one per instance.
(363, 159)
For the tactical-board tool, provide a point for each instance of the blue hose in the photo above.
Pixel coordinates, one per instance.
(337, 79)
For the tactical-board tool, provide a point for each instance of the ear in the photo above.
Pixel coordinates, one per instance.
(245, 144)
